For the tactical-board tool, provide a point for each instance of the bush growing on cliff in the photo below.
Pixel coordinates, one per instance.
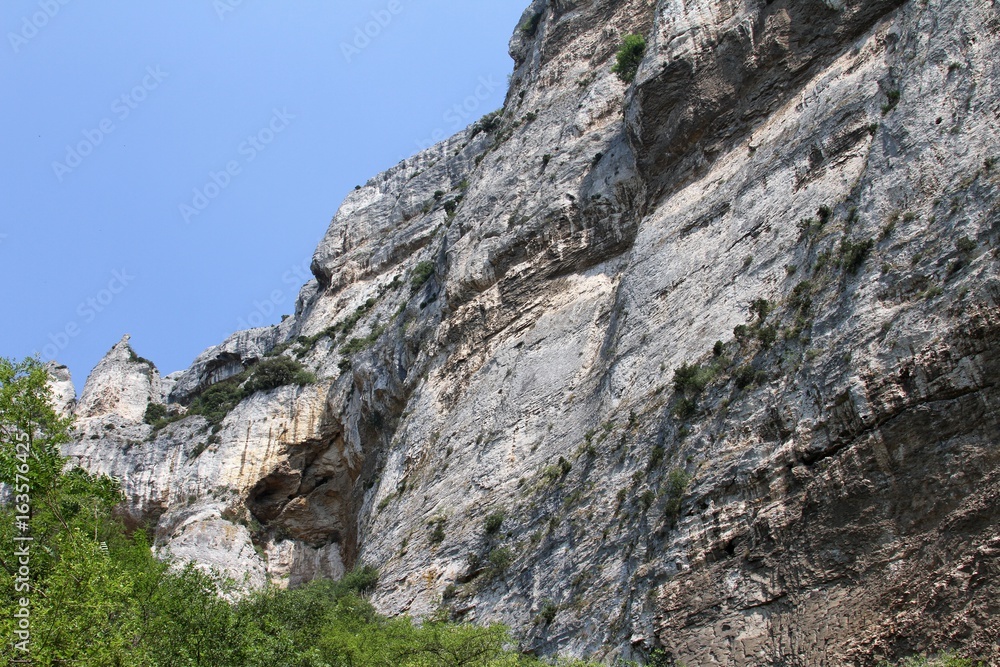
(219, 400)
(854, 253)
(277, 372)
(629, 56)
(487, 123)
(692, 378)
(677, 483)
(493, 522)
(422, 272)
(154, 413)
(500, 559)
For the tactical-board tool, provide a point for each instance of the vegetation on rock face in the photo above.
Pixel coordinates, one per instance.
(154, 413)
(136, 359)
(421, 274)
(493, 522)
(530, 26)
(218, 400)
(277, 372)
(629, 56)
(487, 123)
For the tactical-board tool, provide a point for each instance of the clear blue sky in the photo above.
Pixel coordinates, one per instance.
(115, 113)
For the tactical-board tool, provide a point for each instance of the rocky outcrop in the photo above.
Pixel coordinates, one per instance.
(122, 385)
(63, 391)
(703, 364)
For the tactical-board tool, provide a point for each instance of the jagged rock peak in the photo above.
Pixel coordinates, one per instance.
(122, 384)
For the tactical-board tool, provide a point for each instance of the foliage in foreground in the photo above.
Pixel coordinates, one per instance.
(98, 598)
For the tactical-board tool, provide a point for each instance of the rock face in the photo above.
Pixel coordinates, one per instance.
(522, 413)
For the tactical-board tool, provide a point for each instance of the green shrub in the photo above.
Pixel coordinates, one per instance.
(356, 345)
(646, 499)
(564, 466)
(685, 408)
(892, 99)
(352, 320)
(136, 359)
(218, 400)
(422, 272)
(656, 457)
(560, 469)
(360, 580)
(277, 372)
(744, 376)
(437, 530)
(493, 522)
(629, 56)
(854, 253)
(692, 378)
(488, 123)
(547, 613)
(801, 298)
(154, 413)
(761, 308)
(767, 336)
(810, 226)
(500, 559)
(677, 483)
(965, 245)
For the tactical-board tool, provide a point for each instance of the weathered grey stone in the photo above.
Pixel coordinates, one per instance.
(496, 324)
(63, 392)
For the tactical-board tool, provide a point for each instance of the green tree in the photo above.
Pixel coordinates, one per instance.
(78, 570)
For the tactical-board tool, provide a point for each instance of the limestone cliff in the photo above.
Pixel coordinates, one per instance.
(706, 362)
